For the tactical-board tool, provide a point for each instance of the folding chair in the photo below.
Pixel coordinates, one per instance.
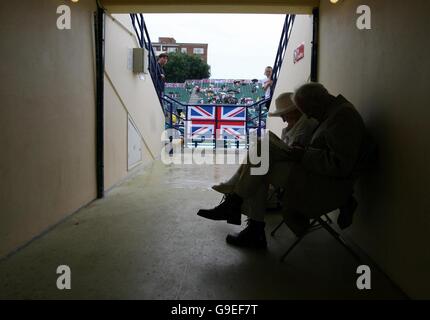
(367, 162)
(316, 224)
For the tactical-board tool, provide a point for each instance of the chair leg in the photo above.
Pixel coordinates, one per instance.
(291, 248)
(312, 225)
(339, 239)
(328, 219)
(276, 229)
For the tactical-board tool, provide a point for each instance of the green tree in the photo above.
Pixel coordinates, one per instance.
(183, 67)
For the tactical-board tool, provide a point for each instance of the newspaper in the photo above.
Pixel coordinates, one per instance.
(278, 146)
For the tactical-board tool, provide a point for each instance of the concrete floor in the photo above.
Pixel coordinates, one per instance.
(145, 241)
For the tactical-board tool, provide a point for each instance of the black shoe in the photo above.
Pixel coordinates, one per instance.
(344, 220)
(253, 236)
(228, 209)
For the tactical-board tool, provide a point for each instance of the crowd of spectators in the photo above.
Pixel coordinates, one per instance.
(243, 92)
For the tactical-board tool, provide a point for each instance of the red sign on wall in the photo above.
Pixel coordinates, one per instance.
(299, 53)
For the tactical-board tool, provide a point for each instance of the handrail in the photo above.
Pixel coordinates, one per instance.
(256, 122)
(145, 42)
(282, 48)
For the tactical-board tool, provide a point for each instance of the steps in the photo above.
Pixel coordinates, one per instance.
(195, 98)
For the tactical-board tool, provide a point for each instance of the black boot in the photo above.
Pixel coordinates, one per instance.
(253, 236)
(344, 220)
(228, 209)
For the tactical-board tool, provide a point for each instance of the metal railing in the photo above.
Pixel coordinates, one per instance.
(145, 42)
(282, 48)
(178, 117)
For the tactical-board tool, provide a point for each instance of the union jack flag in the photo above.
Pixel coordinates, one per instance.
(227, 121)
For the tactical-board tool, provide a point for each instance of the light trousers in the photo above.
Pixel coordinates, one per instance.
(253, 189)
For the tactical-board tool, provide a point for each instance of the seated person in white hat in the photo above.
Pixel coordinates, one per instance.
(297, 133)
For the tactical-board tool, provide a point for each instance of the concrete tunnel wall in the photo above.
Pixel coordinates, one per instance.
(48, 118)
(293, 74)
(127, 96)
(383, 72)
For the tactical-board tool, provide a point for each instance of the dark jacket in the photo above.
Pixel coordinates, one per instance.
(324, 179)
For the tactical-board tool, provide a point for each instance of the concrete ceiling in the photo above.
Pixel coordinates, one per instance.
(210, 6)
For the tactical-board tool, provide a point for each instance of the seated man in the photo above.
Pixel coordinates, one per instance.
(317, 179)
(323, 175)
(298, 133)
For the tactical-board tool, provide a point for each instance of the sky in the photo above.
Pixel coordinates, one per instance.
(240, 45)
